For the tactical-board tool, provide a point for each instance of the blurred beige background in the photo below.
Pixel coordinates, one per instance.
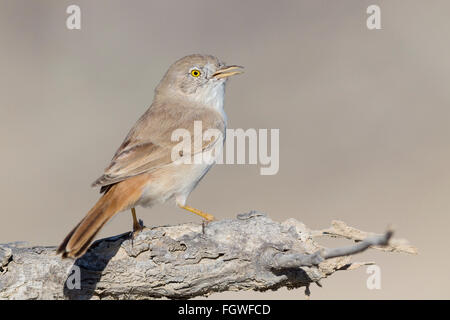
(364, 119)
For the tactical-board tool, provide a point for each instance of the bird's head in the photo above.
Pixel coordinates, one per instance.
(198, 77)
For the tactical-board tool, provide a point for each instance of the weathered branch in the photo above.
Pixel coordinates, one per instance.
(184, 261)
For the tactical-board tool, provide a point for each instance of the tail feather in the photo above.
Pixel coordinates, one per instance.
(118, 198)
(79, 239)
(62, 246)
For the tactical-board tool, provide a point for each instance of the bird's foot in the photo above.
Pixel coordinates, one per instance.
(138, 226)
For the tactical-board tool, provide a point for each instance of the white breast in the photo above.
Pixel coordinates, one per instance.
(212, 97)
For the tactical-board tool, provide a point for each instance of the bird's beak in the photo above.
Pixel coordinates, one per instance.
(228, 71)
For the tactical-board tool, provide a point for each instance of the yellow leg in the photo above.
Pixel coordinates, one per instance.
(136, 225)
(202, 214)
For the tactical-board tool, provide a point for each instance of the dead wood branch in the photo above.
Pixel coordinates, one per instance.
(251, 252)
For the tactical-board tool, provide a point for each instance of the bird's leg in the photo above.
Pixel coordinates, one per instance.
(208, 217)
(137, 226)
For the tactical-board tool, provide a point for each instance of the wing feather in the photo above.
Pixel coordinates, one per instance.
(148, 145)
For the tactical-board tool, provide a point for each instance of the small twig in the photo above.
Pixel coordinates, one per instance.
(297, 260)
(379, 240)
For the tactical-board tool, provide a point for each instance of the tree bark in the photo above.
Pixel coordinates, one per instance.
(188, 260)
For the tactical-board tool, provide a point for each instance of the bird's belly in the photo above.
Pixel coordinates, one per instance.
(172, 181)
(176, 180)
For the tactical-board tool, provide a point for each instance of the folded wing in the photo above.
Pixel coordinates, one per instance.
(148, 146)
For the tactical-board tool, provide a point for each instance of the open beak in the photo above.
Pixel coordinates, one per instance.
(228, 71)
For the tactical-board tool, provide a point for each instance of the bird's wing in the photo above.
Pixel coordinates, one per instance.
(148, 146)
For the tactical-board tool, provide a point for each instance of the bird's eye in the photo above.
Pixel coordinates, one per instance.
(195, 73)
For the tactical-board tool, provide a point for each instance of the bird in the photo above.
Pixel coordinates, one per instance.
(143, 172)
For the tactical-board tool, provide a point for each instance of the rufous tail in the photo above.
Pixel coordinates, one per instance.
(119, 197)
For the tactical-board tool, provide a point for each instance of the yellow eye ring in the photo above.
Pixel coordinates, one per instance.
(195, 73)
